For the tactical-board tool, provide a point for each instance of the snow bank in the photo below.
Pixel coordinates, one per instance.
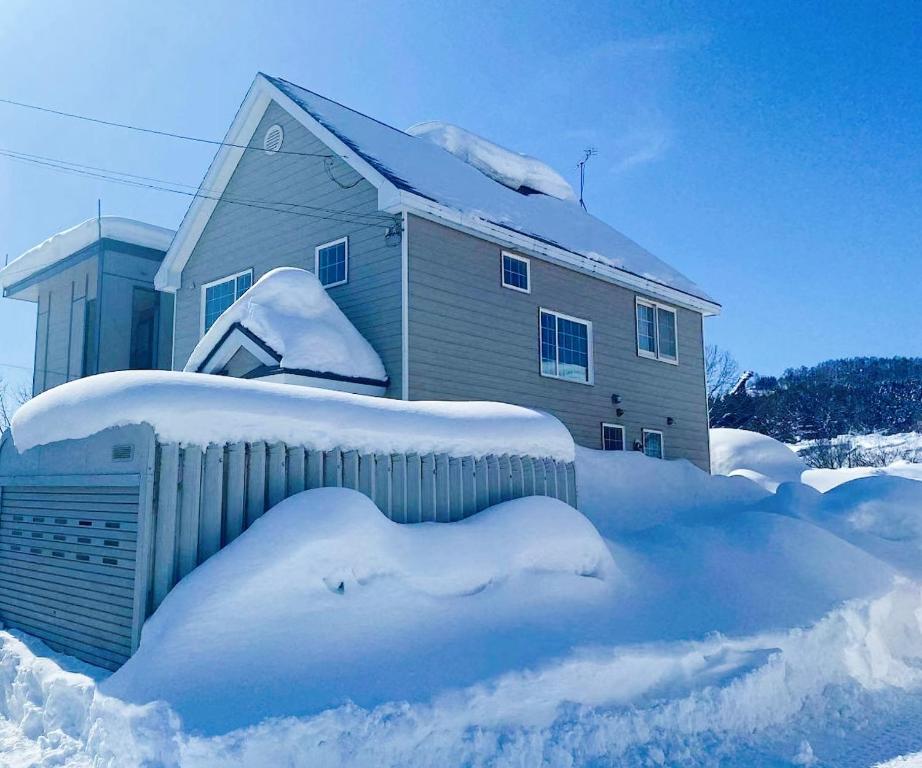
(292, 313)
(827, 479)
(63, 244)
(510, 169)
(200, 409)
(757, 457)
(324, 599)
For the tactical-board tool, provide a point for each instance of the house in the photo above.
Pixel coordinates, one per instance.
(471, 271)
(97, 309)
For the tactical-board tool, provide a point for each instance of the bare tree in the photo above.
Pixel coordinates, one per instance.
(721, 371)
(11, 397)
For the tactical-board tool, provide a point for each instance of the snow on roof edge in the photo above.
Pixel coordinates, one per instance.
(69, 241)
(199, 409)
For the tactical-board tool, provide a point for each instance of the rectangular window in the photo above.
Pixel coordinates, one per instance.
(516, 273)
(219, 295)
(653, 443)
(612, 437)
(656, 331)
(331, 262)
(566, 347)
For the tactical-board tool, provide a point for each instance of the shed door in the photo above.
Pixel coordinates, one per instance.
(67, 557)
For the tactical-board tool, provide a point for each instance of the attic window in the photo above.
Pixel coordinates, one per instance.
(272, 142)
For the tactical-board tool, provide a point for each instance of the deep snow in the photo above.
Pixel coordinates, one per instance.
(201, 409)
(734, 627)
(292, 313)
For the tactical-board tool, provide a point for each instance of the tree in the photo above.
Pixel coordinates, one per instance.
(721, 371)
(11, 397)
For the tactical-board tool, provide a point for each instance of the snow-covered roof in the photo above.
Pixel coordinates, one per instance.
(290, 312)
(70, 241)
(424, 168)
(418, 175)
(198, 409)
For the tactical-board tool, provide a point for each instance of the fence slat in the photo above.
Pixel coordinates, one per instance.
(351, 470)
(333, 468)
(276, 473)
(468, 486)
(442, 489)
(427, 489)
(550, 473)
(165, 536)
(414, 489)
(382, 495)
(210, 516)
(314, 477)
(399, 487)
(190, 504)
(256, 482)
(235, 503)
(295, 469)
(505, 478)
(455, 490)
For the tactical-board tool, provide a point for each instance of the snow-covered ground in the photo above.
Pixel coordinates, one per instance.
(680, 620)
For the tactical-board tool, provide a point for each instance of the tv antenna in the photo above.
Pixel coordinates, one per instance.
(587, 153)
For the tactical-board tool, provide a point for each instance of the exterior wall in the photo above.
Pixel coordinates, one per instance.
(239, 237)
(62, 298)
(470, 338)
(124, 269)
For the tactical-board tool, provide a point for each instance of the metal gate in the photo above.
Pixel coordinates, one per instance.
(67, 567)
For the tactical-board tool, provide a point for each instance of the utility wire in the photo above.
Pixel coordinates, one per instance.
(154, 131)
(133, 180)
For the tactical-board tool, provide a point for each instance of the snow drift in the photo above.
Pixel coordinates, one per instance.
(71, 240)
(511, 169)
(325, 600)
(200, 409)
(757, 457)
(292, 313)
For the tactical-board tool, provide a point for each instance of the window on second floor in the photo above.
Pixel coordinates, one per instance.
(219, 295)
(331, 262)
(516, 273)
(656, 331)
(566, 347)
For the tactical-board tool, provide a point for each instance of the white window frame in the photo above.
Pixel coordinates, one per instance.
(590, 381)
(317, 251)
(662, 442)
(613, 426)
(502, 271)
(656, 307)
(206, 286)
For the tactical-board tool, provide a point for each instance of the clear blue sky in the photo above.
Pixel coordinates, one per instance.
(774, 155)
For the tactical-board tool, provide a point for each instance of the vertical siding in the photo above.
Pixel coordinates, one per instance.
(470, 338)
(239, 237)
(59, 329)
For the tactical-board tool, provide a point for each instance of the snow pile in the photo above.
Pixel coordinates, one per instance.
(201, 409)
(758, 457)
(424, 168)
(291, 312)
(63, 244)
(826, 479)
(513, 170)
(324, 599)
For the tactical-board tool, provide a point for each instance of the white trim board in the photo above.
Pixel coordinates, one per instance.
(390, 200)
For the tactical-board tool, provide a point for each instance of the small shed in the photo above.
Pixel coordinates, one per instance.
(96, 529)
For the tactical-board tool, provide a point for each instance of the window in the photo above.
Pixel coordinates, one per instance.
(656, 331)
(653, 443)
(516, 273)
(331, 262)
(612, 437)
(219, 295)
(144, 315)
(566, 347)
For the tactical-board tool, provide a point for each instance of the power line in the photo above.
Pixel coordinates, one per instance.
(133, 180)
(154, 131)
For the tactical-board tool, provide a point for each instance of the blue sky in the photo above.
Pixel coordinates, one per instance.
(772, 154)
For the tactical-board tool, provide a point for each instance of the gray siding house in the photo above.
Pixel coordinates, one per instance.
(97, 309)
(466, 288)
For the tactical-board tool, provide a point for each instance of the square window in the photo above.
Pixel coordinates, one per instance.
(612, 437)
(218, 296)
(516, 273)
(653, 443)
(332, 263)
(565, 347)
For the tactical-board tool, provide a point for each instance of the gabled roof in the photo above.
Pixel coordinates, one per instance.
(64, 244)
(414, 174)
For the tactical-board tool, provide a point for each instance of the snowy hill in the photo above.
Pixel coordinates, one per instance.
(682, 619)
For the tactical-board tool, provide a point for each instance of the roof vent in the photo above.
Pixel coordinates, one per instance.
(272, 142)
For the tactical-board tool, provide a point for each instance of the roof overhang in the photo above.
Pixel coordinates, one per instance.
(391, 199)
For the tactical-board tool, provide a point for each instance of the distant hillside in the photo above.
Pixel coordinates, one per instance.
(857, 395)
